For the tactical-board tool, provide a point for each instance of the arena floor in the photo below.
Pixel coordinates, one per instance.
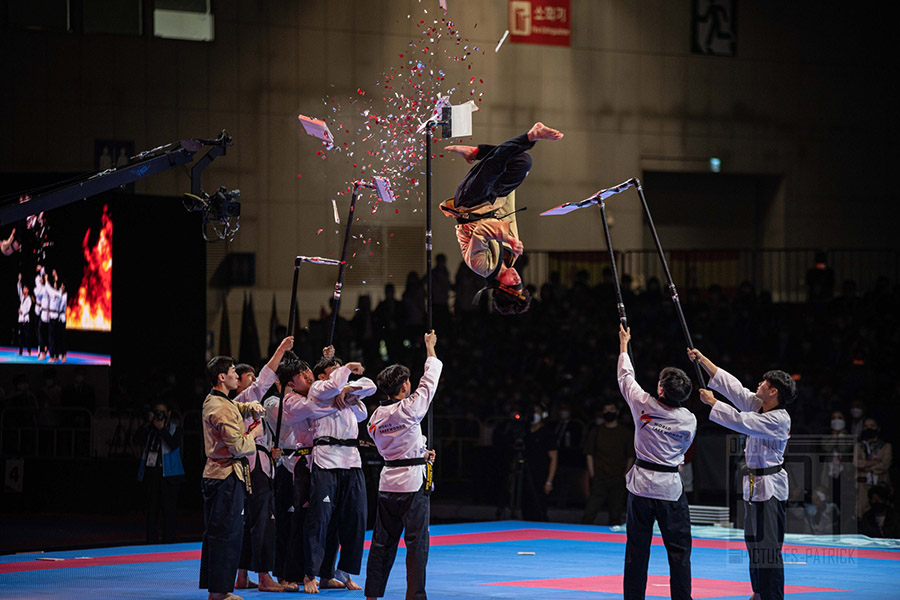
(489, 560)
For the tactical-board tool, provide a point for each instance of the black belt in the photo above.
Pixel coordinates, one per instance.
(764, 471)
(330, 441)
(655, 467)
(301, 451)
(405, 462)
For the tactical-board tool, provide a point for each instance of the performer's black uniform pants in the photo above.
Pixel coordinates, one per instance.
(675, 525)
(54, 327)
(764, 525)
(296, 546)
(338, 494)
(223, 501)
(25, 337)
(285, 508)
(258, 545)
(43, 330)
(499, 170)
(406, 513)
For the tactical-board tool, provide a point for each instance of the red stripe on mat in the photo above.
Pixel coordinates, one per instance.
(457, 539)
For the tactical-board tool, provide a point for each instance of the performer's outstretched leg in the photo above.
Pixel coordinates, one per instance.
(500, 169)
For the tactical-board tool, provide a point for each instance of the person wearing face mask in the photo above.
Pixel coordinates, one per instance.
(822, 517)
(609, 454)
(541, 456)
(761, 416)
(873, 463)
(569, 441)
(857, 418)
(837, 437)
(881, 520)
(837, 476)
(161, 470)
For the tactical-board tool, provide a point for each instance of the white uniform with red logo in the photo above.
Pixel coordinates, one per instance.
(661, 435)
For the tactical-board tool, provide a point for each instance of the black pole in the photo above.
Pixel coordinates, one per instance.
(620, 302)
(428, 322)
(290, 332)
(340, 279)
(672, 290)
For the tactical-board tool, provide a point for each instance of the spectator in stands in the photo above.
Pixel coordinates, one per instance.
(820, 280)
(364, 330)
(881, 520)
(873, 462)
(609, 454)
(161, 471)
(541, 456)
(440, 280)
(388, 322)
(857, 417)
(822, 517)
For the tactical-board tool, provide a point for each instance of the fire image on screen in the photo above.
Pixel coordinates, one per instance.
(91, 306)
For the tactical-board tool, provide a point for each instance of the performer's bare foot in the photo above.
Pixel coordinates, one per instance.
(309, 585)
(330, 584)
(539, 131)
(351, 585)
(225, 596)
(467, 152)
(267, 584)
(243, 582)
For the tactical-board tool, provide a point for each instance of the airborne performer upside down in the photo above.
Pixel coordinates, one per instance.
(489, 241)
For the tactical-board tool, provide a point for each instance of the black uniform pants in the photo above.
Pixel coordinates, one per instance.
(258, 545)
(499, 171)
(764, 524)
(43, 330)
(223, 502)
(54, 327)
(296, 557)
(338, 494)
(284, 511)
(407, 513)
(25, 337)
(675, 525)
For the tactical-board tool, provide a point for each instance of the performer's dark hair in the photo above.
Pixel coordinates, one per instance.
(676, 386)
(217, 366)
(506, 304)
(324, 363)
(391, 379)
(290, 366)
(784, 383)
(243, 368)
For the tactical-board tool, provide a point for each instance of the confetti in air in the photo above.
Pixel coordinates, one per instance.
(370, 128)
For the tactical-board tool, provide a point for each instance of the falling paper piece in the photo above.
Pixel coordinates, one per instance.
(503, 39)
(461, 119)
(383, 187)
(316, 128)
(337, 217)
(443, 4)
